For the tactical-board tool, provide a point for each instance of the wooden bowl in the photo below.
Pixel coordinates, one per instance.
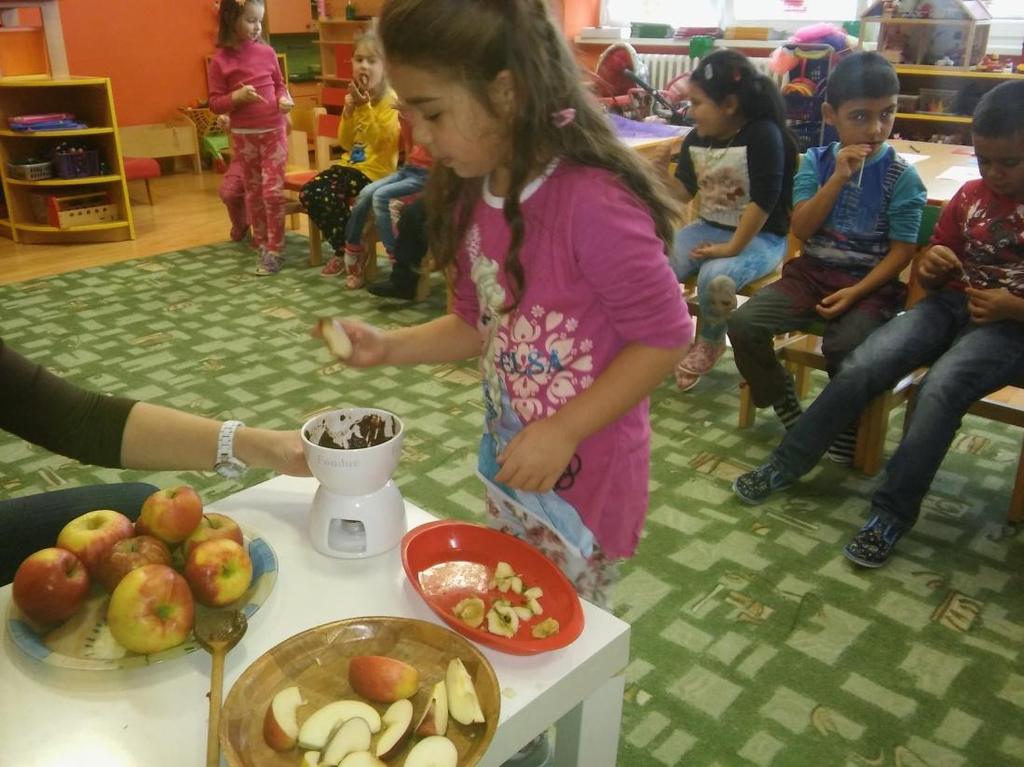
(317, 661)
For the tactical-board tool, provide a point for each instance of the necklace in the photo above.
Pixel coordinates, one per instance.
(717, 153)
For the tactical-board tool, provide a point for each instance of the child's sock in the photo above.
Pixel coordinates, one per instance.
(354, 266)
(844, 446)
(787, 407)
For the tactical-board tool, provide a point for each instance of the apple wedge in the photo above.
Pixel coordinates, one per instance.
(336, 338)
(352, 736)
(281, 723)
(463, 704)
(311, 759)
(435, 716)
(382, 679)
(433, 751)
(317, 730)
(397, 722)
(361, 759)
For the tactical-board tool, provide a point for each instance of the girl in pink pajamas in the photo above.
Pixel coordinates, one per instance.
(246, 82)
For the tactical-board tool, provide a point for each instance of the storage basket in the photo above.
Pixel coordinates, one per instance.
(939, 101)
(79, 164)
(30, 171)
(68, 211)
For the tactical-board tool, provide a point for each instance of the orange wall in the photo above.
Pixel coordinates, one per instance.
(579, 14)
(153, 52)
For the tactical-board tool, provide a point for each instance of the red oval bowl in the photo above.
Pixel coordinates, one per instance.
(449, 561)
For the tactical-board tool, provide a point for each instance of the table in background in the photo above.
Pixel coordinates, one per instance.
(940, 157)
(155, 716)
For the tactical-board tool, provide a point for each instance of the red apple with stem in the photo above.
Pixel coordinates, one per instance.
(211, 527)
(50, 585)
(127, 554)
(151, 609)
(171, 514)
(219, 572)
(91, 535)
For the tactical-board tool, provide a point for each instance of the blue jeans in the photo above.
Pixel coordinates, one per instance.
(377, 195)
(968, 361)
(762, 256)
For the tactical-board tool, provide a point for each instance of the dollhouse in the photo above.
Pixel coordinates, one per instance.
(951, 33)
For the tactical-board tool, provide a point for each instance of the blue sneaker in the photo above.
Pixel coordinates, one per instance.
(873, 545)
(754, 486)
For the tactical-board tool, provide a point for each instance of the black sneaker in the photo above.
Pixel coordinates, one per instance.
(754, 486)
(388, 289)
(873, 545)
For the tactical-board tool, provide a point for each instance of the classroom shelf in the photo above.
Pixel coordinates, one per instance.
(105, 226)
(924, 116)
(65, 181)
(56, 133)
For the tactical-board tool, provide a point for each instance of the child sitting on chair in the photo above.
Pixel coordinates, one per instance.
(857, 210)
(969, 329)
(741, 158)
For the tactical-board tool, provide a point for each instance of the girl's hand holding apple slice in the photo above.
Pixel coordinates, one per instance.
(355, 343)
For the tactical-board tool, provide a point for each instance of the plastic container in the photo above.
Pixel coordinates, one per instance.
(939, 101)
(33, 171)
(907, 103)
(77, 164)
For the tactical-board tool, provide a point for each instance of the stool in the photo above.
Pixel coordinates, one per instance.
(293, 182)
(142, 169)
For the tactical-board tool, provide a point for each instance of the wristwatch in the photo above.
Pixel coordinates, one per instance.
(227, 465)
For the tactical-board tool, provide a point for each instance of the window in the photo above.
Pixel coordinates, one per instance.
(803, 11)
(673, 12)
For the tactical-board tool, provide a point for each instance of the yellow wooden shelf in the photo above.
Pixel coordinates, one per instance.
(65, 181)
(85, 228)
(57, 133)
(927, 71)
(935, 118)
(900, 21)
(45, 81)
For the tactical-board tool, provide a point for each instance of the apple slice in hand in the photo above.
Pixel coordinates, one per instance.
(435, 716)
(397, 725)
(463, 704)
(315, 731)
(337, 340)
(434, 751)
(281, 724)
(352, 736)
(361, 759)
(311, 759)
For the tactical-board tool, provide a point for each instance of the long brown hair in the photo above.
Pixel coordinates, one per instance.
(228, 15)
(471, 42)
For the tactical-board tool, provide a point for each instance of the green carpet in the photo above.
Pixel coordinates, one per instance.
(754, 641)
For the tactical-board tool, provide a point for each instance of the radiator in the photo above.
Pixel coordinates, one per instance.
(662, 68)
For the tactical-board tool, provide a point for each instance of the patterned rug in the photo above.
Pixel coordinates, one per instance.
(754, 641)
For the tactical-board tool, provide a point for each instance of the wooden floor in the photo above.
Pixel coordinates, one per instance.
(187, 213)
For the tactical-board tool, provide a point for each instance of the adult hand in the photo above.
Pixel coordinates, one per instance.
(992, 305)
(245, 94)
(836, 304)
(536, 457)
(717, 250)
(937, 263)
(369, 344)
(850, 159)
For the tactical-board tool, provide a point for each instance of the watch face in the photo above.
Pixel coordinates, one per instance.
(231, 469)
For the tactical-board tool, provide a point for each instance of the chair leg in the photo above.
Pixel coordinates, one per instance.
(149, 192)
(315, 252)
(871, 435)
(747, 410)
(1017, 498)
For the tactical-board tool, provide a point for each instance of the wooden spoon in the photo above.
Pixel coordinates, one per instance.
(217, 631)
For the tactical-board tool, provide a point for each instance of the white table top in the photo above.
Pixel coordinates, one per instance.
(156, 716)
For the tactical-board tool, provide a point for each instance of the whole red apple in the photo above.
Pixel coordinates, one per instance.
(171, 514)
(127, 554)
(211, 527)
(219, 572)
(50, 585)
(151, 609)
(91, 535)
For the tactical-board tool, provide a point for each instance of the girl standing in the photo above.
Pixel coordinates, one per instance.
(556, 238)
(741, 158)
(246, 83)
(369, 133)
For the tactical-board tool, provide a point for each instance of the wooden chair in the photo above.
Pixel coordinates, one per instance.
(802, 353)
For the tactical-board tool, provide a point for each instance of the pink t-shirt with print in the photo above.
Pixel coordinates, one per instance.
(597, 279)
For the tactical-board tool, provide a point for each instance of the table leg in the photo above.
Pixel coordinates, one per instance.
(589, 733)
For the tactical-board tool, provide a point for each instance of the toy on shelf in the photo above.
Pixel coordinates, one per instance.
(930, 32)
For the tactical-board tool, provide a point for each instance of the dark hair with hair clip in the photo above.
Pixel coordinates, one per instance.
(863, 75)
(1000, 112)
(230, 12)
(725, 73)
(471, 42)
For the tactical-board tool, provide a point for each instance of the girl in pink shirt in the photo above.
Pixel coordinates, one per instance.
(555, 235)
(246, 83)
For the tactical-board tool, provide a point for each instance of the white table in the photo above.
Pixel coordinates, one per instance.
(156, 716)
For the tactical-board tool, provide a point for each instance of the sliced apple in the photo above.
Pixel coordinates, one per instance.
(352, 736)
(317, 730)
(546, 628)
(336, 338)
(361, 759)
(533, 605)
(435, 716)
(470, 611)
(434, 751)
(463, 703)
(534, 592)
(397, 722)
(281, 723)
(382, 679)
(311, 759)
